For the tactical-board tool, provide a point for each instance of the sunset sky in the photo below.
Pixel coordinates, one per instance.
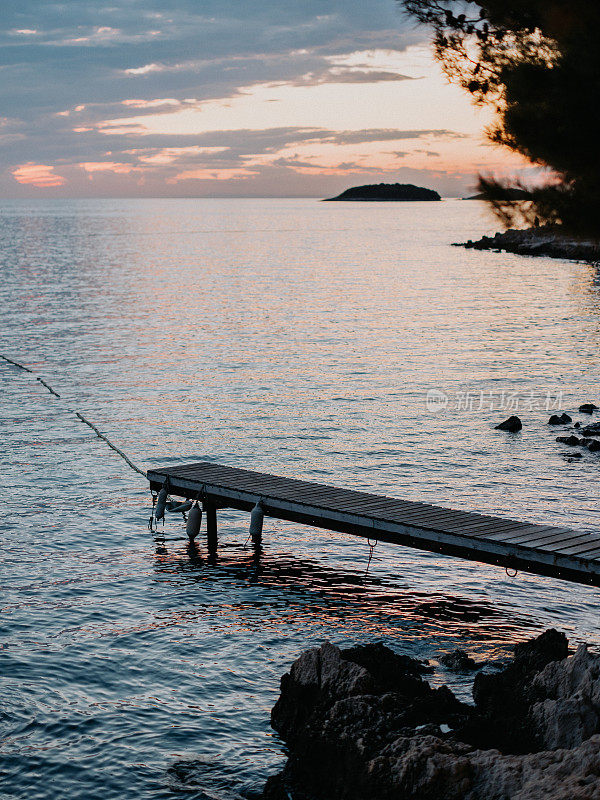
(198, 97)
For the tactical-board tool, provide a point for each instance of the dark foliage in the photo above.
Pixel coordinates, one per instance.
(538, 63)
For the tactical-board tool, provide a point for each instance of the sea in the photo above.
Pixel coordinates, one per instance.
(348, 343)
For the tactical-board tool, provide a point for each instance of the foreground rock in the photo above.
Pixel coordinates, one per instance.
(363, 724)
(544, 241)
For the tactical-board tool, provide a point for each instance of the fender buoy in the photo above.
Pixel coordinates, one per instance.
(194, 521)
(257, 516)
(161, 502)
(177, 506)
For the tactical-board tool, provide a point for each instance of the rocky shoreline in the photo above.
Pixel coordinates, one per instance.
(544, 241)
(364, 724)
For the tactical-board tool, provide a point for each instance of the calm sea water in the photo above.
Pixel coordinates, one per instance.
(285, 335)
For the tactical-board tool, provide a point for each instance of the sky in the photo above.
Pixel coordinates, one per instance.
(204, 98)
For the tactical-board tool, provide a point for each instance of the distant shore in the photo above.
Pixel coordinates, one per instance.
(545, 241)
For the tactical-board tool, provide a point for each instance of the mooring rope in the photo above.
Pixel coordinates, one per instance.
(85, 421)
(50, 389)
(372, 546)
(16, 364)
(104, 438)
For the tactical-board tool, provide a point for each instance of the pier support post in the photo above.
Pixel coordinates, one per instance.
(211, 525)
(256, 523)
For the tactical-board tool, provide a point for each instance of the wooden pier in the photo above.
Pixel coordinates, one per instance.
(540, 549)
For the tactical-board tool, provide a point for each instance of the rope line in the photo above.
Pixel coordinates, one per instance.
(16, 364)
(112, 446)
(50, 389)
(85, 421)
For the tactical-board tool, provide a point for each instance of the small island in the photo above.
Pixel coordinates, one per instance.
(386, 192)
(508, 194)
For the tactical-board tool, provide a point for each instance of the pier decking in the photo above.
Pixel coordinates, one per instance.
(544, 550)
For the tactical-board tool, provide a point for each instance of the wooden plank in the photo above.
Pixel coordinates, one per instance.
(498, 528)
(330, 497)
(579, 546)
(267, 483)
(542, 536)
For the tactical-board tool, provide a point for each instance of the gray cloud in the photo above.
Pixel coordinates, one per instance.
(59, 57)
(81, 51)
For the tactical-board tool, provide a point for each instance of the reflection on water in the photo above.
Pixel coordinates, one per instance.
(297, 590)
(289, 336)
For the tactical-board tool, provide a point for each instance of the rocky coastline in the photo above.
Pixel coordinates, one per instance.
(544, 241)
(365, 724)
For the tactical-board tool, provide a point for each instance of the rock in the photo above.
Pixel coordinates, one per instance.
(569, 711)
(413, 744)
(459, 661)
(503, 697)
(387, 669)
(512, 425)
(562, 419)
(318, 677)
(427, 768)
(572, 441)
(594, 446)
(577, 425)
(546, 240)
(588, 408)
(592, 430)
(334, 714)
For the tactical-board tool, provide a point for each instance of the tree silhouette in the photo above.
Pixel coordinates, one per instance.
(537, 62)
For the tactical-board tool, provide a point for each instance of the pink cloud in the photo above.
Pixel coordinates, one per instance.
(107, 166)
(41, 176)
(213, 174)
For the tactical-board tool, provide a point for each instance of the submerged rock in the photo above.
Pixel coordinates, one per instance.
(591, 430)
(594, 446)
(512, 425)
(373, 729)
(562, 419)
(572, 441)
(459, 661)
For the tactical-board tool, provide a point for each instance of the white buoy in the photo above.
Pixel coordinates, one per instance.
(257, 516)
(161, 502)
(192, 527)
(179, 507)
